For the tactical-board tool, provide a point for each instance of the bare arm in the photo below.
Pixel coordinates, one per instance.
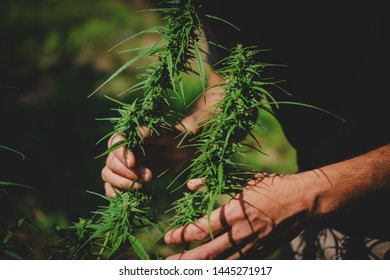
(272, 210)
(337, 185)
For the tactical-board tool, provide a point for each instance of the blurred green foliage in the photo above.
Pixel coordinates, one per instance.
(53, 54)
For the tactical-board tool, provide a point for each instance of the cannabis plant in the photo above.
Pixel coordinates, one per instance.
(245, 95)
(104, 235)
(115, 225)
(180, 39)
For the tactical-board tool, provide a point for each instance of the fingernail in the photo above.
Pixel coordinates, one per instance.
(127, 159)
(168, 238)
(111, 194)
(145, 177)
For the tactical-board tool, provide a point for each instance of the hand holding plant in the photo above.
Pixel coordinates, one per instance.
(269, 212)
(160, 156)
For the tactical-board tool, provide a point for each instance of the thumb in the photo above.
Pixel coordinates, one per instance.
(195, 184)
(144, 132)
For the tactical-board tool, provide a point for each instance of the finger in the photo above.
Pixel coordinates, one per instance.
(110, 191)
(232, 244)
(117, 181)
(144, 173)
(115, 138)
(195, 184)
(207, 251)
(189, 125)
(144, 132)
(125, 156)
(122, 153)
(200, 230)
(244, 238)
(119, 168)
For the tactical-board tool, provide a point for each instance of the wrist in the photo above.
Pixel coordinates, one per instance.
(316, 190)
(334, 187)
(308, 194)
(284, 197)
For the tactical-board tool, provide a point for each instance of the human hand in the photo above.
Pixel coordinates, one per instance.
(268, 213)
(126, 168)
(160, 154)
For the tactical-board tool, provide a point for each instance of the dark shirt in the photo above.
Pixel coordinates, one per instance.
(337, 55)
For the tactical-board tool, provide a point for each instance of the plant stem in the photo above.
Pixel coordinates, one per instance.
(104, 246)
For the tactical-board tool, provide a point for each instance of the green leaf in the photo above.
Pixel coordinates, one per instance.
(138, 248)
(310, 106)
(201, 66)
(151, 30)
(100, 195)
(171, 71)
(266, 92)
(220, 174)
(222, 20)
(112, 148)
(12, 255)
(126, 65)
(210, 209)
(2, 183)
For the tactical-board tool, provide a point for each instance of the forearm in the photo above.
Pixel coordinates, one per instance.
(333, 187)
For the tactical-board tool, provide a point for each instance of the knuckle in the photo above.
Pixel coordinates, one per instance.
(108, 190)
(135, 185)
(236, 214)
(204, 255)
(114, 139)
(109, 160)
(104, 173)
(198, 233)
(110, 141)
(250, 183)
(124, 183)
